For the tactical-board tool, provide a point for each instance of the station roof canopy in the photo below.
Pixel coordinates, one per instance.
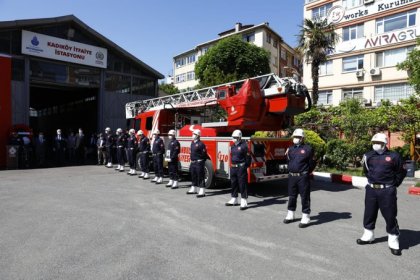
(101, 40)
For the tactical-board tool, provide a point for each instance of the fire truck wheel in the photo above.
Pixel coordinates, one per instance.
(209, 175)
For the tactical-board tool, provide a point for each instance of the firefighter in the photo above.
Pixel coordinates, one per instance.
(109, 143)
(301, 164)
(384, 171)
(158, 151)
(131, 151)
(120, 144)
(144, 149)
(239, 170)
(198, 158)
(172, 159)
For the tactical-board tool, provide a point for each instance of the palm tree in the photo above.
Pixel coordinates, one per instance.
(317, 38)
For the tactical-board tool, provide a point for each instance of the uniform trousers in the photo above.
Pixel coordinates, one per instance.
(108, 154)
(120, 156)
(299, 185)
(385, 200)
(131, 154)
(239, 181)
(197, 173)
(158, 165)
(173, 170)
(144, 162)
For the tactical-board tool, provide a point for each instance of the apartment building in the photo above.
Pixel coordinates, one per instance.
(375, 35)
(284, 61)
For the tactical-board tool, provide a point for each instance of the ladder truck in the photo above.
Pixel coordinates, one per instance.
(263, 103)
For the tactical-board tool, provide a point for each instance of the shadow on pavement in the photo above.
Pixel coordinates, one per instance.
(326, 217)
(330, 187)
(409, 238)
(267, 202)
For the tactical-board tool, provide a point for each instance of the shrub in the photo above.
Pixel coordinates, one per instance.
(404, 151)
(319, 146)
(337, 154)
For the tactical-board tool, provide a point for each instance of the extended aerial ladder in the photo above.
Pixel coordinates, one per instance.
(270, 86)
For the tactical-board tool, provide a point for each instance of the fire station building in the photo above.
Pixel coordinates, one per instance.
(60, 73)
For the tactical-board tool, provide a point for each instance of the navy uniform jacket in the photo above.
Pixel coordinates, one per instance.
(144, 144)
(121, 140)
(300, 158)
(109, 140)
(60, 144)
(158, 146)
(132, 142)
(239, 153)
(384, 169)
(174, 148)
(198, 151)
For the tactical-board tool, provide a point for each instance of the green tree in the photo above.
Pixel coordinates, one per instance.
(412, 66)
(316, 142)
(316, 39)
(168, 88)
(229, 60)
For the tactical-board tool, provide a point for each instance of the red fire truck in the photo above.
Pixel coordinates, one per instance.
(263, 103)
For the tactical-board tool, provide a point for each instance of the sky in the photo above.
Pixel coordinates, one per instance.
(155, 31)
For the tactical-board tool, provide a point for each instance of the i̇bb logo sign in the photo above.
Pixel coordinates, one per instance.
(222, 157)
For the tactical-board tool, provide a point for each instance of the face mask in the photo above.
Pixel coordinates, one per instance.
(80, 132)
(296, 141)
(378, 148)
(171, 137)
(194, 137)
(236, 140)
(58, 132)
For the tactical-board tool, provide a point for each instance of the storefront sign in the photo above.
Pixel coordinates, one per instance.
(338, 14)
(378, 40)
(59, 49)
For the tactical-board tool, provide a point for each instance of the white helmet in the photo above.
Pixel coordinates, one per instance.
(298, 133)
(119, 130)
(171, 132)
(156, 132)
(237, 133)
(140, 132)
(197, 132)
(132, 131)
(107, 129)
(380, 137)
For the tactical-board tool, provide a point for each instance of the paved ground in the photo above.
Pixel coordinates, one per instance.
(91, 223)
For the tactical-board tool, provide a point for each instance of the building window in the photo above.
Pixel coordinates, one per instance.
(283, 54)
(356, 93)
(180, 78)
(269, 38)
(353, 32)
(191, 59)
(392, 57)
(326, 68)
(295, 61)
(190, 75)
(395, 22)
(275, 43)
(250, 37)
(180, 62)
(325, 97)
(352, 63)
(394, 92)
(352, 3)
(321, 12)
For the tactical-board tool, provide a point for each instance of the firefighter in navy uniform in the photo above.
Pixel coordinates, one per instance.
(144, 149)
(301, 164)
(158, 150)
(120, 144)
(239, 170)
(172, 158)
(131, 151)
(385, 172)
(109, 144)
(198, 159)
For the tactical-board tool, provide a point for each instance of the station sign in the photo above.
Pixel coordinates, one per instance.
(338, 14)
(64, 50)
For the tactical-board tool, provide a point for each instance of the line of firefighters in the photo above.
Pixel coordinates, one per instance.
(383, 168)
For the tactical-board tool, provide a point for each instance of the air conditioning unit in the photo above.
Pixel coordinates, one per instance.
(367, 102)
(359, 73)
(368, 1)
(375, 72)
